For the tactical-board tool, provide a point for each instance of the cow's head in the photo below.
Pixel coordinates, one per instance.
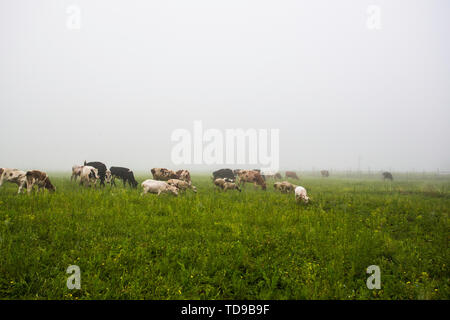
(172, 189)
(305, 199)
(49, 186)
(108, 176)
(94, 174)
(302, 197)
(134, 183)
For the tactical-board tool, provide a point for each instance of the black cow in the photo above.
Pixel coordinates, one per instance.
(125, 174)
(387, 175)
(101, 170)
(225, 174)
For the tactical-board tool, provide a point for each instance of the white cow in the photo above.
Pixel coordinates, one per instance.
(15, 176)
(89, 176)
(76, 171)
(158, 187)
(300, 194)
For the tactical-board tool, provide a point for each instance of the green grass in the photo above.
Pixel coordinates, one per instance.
(214, 245)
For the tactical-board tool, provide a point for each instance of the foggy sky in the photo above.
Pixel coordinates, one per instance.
(341, 95)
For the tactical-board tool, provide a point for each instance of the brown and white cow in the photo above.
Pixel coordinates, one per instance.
(291, 174)
(14, 176)
(226, 184)
(325, 173)
(184, 175)
(39, 179)
(274, 176)
(251, 176)
(284, 187)
(163, 174)
(181, 184)
(89, 176)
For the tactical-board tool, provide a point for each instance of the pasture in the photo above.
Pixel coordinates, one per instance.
(215, 245)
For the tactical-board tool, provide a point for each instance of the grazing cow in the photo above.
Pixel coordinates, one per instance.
(158, 187)
(387, 175)
(76, 172)
(252, 177)
(181, 184)
(14, 176)
(125, 174)
(101, 167)
(325, 173)
(284, 187)
(300, 194)
(274, 176)
(40, 179)
(225, 184)
(163, 174)
(277, 186)
(224, 173)
(89, 176)
(291, 174)
(184, 175)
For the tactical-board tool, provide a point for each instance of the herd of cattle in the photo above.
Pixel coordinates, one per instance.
(164, 180)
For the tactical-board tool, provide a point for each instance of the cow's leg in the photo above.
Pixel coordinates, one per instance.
(30, 186)
(124, 182)
(21, 187)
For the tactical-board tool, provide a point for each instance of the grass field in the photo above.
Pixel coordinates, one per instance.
(214, 245)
